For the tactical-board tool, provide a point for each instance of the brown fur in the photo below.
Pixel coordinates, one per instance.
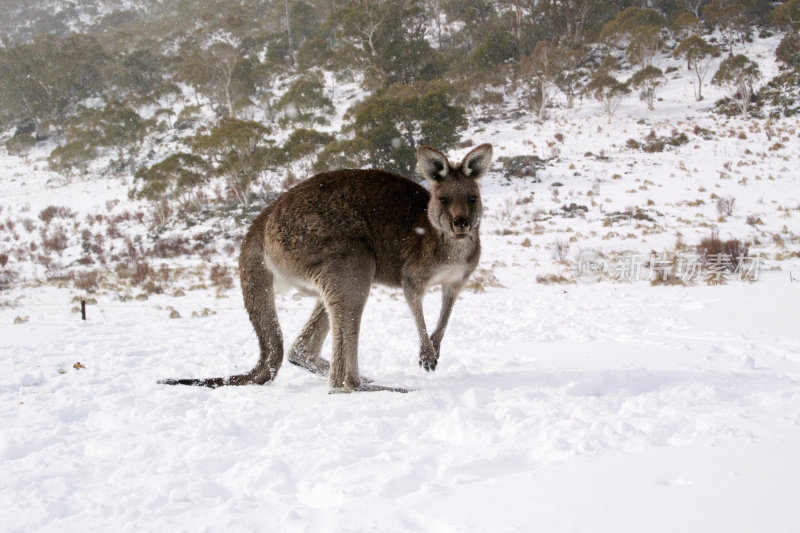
(337, 233)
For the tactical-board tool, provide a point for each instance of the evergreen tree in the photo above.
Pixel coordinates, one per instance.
(177, 177)
(241, 153)
(391, 124)
(647, 81)
(698, 54)
(607, 90)
(640, 30)
(738, 75)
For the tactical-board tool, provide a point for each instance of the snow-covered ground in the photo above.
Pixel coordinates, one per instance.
(579, 408)
(608, 406)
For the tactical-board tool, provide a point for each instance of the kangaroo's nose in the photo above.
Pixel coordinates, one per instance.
(461, 222)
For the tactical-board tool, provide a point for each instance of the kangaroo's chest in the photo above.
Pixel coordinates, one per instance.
(454, 263)
(447, 274)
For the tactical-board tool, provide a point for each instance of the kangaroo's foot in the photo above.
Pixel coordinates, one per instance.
(364, 387)
(315, 365)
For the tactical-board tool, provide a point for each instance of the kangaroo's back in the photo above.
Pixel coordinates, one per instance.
(333, 213)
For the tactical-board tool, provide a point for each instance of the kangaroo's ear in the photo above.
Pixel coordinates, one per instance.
(477, 162)
(432, 164)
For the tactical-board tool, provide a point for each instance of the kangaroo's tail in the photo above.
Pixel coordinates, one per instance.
(259, 300)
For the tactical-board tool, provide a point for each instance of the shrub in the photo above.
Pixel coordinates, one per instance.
(496, 49)
(753, 220)
(171, 247)
(788, 50)
(782, 94)
(521, 166)
(734, 250)
(55, 240)
(139, 273)
(51, 212)
(726, 205)
(560, 251)
(552, 279)
(87, 281)
(220, 276)
(176, 177)
(20, 144)
(73, 156)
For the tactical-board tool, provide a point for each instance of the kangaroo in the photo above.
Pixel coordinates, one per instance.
(334, 235)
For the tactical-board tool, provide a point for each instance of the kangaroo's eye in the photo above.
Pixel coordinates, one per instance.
(473, 199)
(443, 200)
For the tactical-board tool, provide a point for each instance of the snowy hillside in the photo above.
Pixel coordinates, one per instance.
(634, 399)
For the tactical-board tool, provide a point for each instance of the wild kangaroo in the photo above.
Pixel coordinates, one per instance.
(334, 235)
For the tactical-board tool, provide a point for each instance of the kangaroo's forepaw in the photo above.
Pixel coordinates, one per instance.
(428, 359)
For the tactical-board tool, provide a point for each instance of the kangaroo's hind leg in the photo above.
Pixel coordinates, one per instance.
(345, 294)
(344, 284)
(305, 351)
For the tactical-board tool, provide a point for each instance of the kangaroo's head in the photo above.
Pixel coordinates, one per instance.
(455, 205)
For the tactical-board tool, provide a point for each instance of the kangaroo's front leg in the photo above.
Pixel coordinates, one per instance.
(428, 356)
(449, 295)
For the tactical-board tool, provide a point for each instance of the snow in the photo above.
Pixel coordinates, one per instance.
(607, 406)
(591, 407)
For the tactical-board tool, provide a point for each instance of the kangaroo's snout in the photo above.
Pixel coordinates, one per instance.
(461, 226)
(461, 222)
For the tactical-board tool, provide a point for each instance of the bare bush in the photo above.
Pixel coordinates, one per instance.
(152, 287)
(113, 231)
(730, 253)
(229, 248)
(51, 212)
(160, 212)
(560, 251)
(220, 276)
(726, 205)
(753, 220)
(7, 277)
(171, 247)
(28, 224)
(88, 281)
(207, 253)
(54, 240)
(140, 273)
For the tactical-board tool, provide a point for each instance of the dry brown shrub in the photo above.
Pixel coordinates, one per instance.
(712, 247)
(88, 280)
(171, 247)
(54, 240)
(220, 276)
(51, 212)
